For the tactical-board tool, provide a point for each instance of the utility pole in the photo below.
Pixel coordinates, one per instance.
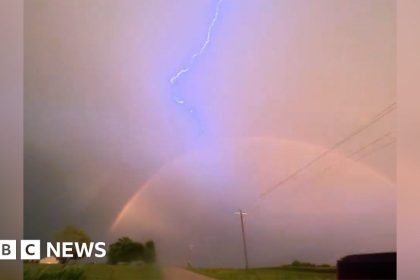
(241, 215)
(190, 247)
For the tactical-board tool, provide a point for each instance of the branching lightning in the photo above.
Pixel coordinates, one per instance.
(175, 78)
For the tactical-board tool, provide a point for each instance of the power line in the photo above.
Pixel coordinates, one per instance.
(375, 141)
(375, 148)
(378, 117)
(386, 145)
(363, 148)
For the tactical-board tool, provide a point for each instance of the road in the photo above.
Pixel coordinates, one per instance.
(176, 273)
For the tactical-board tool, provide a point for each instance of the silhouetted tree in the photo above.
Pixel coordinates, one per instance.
(127, 250)
(71, 234)
(150, 254)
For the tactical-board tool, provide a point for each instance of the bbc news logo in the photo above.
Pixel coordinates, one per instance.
(31, 249)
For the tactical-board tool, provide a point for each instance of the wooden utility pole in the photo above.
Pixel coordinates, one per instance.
(241, 215)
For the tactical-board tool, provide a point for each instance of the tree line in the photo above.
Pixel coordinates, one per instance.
(124, 250)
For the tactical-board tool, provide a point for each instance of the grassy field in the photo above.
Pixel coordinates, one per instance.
(270, 274)
(150, 272)
(91, 272)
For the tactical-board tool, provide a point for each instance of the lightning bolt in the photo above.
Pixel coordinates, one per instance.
(177, 76)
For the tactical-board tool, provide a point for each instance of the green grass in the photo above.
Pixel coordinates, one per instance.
(91, 272)
(283, 273)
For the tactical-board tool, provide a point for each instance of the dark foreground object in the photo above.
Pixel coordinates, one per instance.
(368, 266)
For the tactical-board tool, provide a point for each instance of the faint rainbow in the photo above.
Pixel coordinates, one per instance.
(128, 204)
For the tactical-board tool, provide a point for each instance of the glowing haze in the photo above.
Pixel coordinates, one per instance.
(115, 93)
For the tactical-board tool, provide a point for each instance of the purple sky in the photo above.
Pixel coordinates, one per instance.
(280, 82)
